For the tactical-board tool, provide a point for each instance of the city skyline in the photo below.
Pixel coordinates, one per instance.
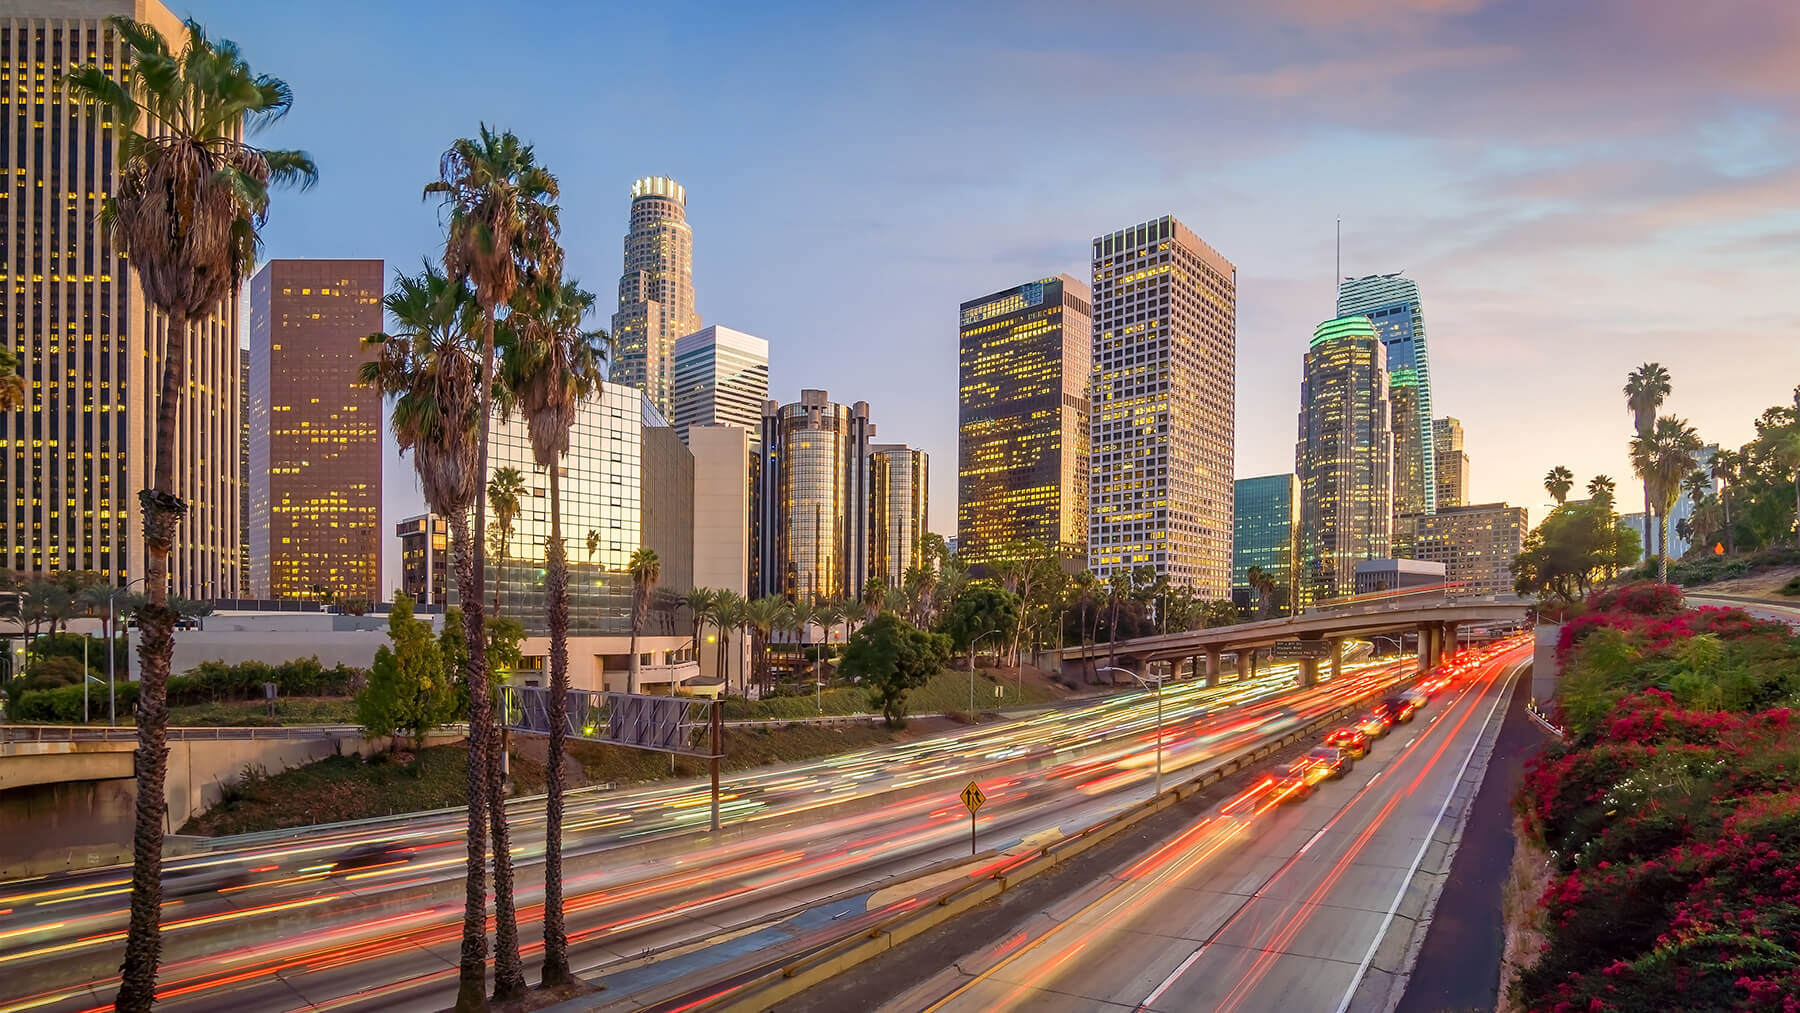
(1477, 208)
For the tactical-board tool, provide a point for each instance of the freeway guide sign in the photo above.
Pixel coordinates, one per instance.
(973, 798)
(1292, 650)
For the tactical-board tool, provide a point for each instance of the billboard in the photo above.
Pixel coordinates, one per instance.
(669, 724)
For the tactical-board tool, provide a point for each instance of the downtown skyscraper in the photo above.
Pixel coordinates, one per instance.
(89, 345)
(315, 431)
(721, 378)
(1344, 456)
(1162, 406)
(656, 291)
(812, 499)
(1391, 302)
(1452, 463)
(899, 503)
(1024, 357)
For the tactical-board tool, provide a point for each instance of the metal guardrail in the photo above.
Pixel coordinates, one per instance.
(86, 733)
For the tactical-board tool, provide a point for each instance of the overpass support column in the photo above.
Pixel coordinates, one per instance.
(1309, 671)
(1447, 639)
(1426, 634)
(1243, 663)
(1142, 668)
(1212, 668)
(1337, 657)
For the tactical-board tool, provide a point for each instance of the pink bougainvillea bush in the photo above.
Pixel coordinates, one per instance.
(1672, 816)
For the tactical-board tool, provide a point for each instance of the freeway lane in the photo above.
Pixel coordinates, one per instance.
(286, 925)
(1258, 905)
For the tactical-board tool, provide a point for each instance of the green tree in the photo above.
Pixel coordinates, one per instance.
(408, 688)
(1219, 612)
(726, 612)
(979, 611)
(1663, 457)
(1263, 585)
(1558, 482)
(1574, 546)
(1645, 390)
(764, 616)
(1601, 488)
(505, 491)
(1725, 473)
(645, 569)
(892, 657)
(12, 385)
(190, 199)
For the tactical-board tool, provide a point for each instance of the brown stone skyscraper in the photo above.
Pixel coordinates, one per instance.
(88, 344)
(656, 291)
(315, 431)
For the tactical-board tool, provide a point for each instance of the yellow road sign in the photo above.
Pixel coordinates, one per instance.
(973, 797)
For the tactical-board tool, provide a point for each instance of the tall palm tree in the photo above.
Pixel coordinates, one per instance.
(550, 366)
(800, 616)
(1600, 489)
(190, 200)
(1646, 387)
(502, 230)
(698, 602)
(427, 366)
(645, 569)
(12, 385)
(1725, 466)
(1557, 482)
(726, 612)
(1784, 447)
(593, 543)
(765, 615)
(1663, 457)
(1263, 583)
(504, 493)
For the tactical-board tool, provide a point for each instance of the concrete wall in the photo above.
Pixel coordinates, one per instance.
(1544, 669)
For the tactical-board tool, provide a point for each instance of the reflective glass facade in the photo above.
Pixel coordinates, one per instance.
(898, 503)
(424, 557)
(721, 378)
(1344, 456)
(1266, 533)
(88, 344)
(1022, 447)
(813, 479)
(315, 430)
(1391, 302)
(1162, 406)
(656, 291)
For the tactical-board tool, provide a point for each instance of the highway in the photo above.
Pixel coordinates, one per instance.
(1263, 904)
(369, 917)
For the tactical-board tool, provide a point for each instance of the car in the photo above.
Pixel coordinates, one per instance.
(1323, 763)
(1418, 696)
(1375, 724)
(1351, 740)
(1290, 786)
(1398, 709)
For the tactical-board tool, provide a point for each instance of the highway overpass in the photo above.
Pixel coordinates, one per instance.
(1435, 623)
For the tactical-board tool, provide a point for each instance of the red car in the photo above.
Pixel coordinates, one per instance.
(1351, 740)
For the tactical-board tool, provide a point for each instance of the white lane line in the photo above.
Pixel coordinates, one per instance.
(1314, 840)
(1170, 980)
(1377, 777)
(1388, 919)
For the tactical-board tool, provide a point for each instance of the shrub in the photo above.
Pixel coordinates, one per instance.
(215, 681)
(54, 671)
(62, 705)
(1791, 588)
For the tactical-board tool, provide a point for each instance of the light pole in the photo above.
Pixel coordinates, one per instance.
(1392, 640)
(972, 645)
(112, 709)
(1159, 715)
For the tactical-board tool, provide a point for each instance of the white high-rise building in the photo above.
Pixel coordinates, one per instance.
(721, 379)
(1162, 407)
(656, 290)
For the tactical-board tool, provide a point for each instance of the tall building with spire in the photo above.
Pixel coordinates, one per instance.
(1391, 302)
(89, 344)
(656, 291)
(1344, 456)
(1162, 407)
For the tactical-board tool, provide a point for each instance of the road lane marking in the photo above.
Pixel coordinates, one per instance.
(1310, 842)
(1388, 919)
(1170, 980)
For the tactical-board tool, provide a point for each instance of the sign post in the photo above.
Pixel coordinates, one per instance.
(973, 799)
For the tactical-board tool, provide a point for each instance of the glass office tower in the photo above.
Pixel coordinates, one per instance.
(1391, 302)
(1344, 456)
(1266, 533)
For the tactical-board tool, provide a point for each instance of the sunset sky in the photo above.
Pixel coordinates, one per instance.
(1576, 187)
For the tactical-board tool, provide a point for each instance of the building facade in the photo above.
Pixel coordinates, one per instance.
(1391, 303)
(1476, 544)
(1162, 406)
(1344, 456)
(89, 345)
(899, 502)
(721, 379)
(656, 291)
(813, 498)
(1374, 576)
(1266, 534)
(424, 558)
(1452, 463)
(1024, 358)
(722, 534)
(315, 431)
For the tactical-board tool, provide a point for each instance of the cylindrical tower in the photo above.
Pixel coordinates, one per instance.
(656, 290)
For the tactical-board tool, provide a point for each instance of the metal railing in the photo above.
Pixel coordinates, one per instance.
(87, 733)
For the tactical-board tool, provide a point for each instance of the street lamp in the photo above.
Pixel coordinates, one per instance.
(1159, 715)
(112, 709)
(972, 645)
(1398, 646)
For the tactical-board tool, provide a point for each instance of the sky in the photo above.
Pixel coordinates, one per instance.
(1577, 188)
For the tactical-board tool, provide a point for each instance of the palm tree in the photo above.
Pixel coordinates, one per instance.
(427, 366)
(1663, 457)
(1784, 447)
(765, 615)
(551, 365)
(593, 543)
(1725, 466)
(1600, 490)
(1558, 482)
(726, 612)
(698, 602)
(645, 569)
(504, 491)
(1645, 389)
(502, 230)
(190, 200)
(12, 385)
(1264, 585)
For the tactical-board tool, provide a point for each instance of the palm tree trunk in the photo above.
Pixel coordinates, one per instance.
(509, 971)
(631, 663)
(1797, 508)
(1662, 549)
(156, 648)
(1730, 535)
(471, 993)
(556, 938)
